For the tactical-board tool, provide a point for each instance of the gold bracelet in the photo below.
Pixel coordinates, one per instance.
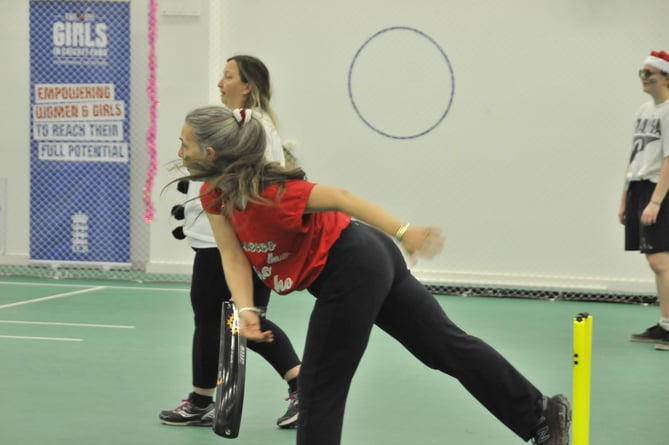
(401, 231)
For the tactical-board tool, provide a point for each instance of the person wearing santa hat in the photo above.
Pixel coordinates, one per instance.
(644, 207)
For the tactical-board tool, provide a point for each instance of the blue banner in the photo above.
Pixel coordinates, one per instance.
(80, 151)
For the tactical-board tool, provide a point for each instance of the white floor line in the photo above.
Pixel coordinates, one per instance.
(57, 284)
(19, 337)
(54, 284)
(51, 297)
(57, 323)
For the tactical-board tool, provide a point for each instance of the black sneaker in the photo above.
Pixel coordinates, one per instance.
(553, 427)
(650, 335)
(188, 414)
(289, 419)
(662, 343)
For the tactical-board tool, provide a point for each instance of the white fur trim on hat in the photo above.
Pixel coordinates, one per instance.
(659, 60)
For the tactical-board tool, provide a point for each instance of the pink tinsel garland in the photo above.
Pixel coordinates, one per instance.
(151, 89)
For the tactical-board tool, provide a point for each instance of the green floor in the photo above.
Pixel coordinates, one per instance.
(97, 361)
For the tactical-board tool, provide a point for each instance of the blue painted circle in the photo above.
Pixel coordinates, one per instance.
(450, 69)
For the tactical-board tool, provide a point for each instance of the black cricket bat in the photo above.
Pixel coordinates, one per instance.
(231, 375)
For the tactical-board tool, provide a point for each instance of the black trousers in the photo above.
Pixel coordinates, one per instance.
(366, 282)
(207, 293)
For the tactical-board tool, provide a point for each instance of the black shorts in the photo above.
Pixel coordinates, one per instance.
(647, 239)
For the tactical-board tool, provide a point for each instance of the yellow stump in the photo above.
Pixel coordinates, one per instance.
(582, 362)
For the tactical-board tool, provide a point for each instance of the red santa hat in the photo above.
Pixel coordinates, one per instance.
(658, 59)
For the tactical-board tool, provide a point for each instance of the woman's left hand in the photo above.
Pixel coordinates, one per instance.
(249, 327)
(425, 242)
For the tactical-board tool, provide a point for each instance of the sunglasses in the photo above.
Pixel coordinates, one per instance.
(645, 74)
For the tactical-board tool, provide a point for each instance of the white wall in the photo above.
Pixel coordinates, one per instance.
(524, 173)
(14, 123)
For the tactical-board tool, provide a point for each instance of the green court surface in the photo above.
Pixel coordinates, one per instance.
(94, 362)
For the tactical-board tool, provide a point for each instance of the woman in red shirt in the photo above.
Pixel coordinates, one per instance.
(299, 235)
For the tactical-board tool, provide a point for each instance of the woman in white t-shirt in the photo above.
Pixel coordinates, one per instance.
(644, 208)
(245, 83)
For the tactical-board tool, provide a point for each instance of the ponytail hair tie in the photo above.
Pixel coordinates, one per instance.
(242, 115)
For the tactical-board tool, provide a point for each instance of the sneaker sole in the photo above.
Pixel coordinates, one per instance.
(288, 423)
(643, 340)
(661, 347)
(188, 423)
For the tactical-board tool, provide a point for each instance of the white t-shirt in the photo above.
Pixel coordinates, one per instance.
(274, 147)
(196, 224)
(650, 142)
